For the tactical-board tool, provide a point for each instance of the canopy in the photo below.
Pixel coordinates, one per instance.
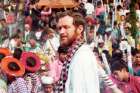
(58, 3)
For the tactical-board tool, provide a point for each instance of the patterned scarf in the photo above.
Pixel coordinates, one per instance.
(33, 82)
(60, 87)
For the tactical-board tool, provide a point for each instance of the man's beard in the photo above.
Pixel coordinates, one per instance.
(69, 42)
(66, 44)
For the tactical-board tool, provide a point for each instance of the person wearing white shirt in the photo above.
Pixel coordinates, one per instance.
(89, 7)
(52, 42)
(81, 72)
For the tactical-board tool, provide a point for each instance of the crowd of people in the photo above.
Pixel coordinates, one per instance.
(85, 49)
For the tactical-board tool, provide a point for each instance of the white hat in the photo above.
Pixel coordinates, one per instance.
(47, 80)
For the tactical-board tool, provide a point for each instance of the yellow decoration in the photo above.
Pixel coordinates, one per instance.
(43, 57)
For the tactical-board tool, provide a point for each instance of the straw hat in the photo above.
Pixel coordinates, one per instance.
(31, 61)
(12, 67)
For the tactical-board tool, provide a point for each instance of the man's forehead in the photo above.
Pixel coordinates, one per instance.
(84, 0)
(65, 20)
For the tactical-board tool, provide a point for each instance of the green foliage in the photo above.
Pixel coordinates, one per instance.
(133, 18)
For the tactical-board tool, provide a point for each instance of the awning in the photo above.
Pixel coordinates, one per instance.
(58, 3)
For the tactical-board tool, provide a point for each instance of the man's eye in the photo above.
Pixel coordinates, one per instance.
(59, 28)
(66, 27)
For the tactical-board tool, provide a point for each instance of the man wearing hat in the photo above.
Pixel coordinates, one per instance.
(32, 64)
(47, 83)
(14, 70)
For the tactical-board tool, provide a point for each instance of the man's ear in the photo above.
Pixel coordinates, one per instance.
(79, 30)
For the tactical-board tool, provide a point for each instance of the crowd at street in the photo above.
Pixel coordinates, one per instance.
(89, 48)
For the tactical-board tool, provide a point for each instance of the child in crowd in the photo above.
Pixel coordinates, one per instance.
(136, 65)
(56, 65)
(125, 81)
(47, 83)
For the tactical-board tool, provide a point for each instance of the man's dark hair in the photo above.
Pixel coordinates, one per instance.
(119, 7)
(99, 3)
(62, 49)
(119, 65)
(118, 54)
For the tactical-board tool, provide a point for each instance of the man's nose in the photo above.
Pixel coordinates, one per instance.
(62, 30)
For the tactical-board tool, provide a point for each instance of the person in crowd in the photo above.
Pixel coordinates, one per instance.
(108, 39)
(32, 65)
(89, 7)
(136, 63)
(52, 42)
(28, 20)
(91, 37)
(27, 33)
(116, 33)
(81, 9)
(119, 12)
(3, 31)
(101, 45)
(100, 11)
(89, 20)
(116, 54)
(38, 33)
(79, 73)
(14, 70)
(56, 65)
(32, 46)
(47, 83)
(17, 53)
(44, 37)
(15, 42)
(2, 15)
(124, 80)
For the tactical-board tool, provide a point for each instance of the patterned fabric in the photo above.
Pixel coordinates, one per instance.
(18, 86)
(64, 74)
(33, 83)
